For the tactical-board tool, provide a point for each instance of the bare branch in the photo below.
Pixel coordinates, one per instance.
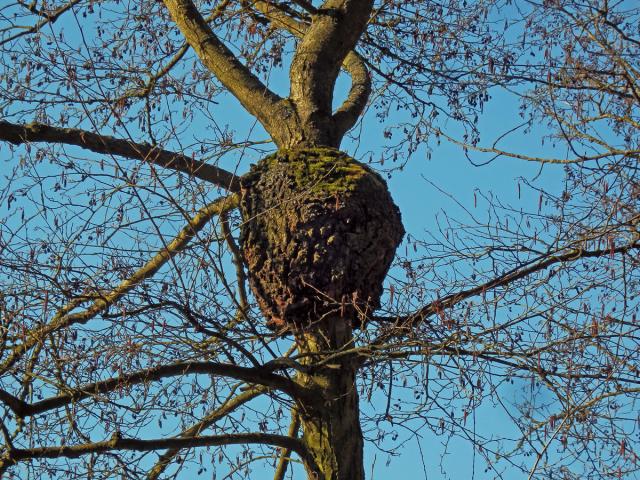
(230, 405)
(571, 254)
(347, 115)
(16, 455)
(38, 132)
(47, 18)
(259, 376)
(283, 463)
(349, 112)
(64, 317)
(333, 33)
(611, 152)
(271, 110)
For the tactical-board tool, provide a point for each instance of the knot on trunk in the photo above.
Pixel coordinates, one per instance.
(319, 234)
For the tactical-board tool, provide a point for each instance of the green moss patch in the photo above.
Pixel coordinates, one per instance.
(320, 171)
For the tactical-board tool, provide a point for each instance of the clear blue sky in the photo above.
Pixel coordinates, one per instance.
(423, 190)
(414, 190)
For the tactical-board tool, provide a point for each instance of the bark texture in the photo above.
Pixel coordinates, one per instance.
(320, 231)
(333, 33)
(331, 427)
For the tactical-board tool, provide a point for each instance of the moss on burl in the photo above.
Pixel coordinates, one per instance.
(319, 233)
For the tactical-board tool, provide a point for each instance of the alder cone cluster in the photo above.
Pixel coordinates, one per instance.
(319, 233)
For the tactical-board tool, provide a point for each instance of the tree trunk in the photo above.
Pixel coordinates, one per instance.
(319, 233)
(331, 428)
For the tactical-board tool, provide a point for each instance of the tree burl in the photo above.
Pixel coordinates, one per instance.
(319, 234)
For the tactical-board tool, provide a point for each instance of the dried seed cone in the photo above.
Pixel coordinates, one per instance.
(319, 233)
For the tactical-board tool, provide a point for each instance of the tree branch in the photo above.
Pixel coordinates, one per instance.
(283, 463)
(230, 405)
(47, 18)
(569, 255)
(333, 33)
(255, 375)
(15, 455)
(64, 317)
(38, 132)
(16, 405)
(348, 113)
(271, 110)
(611, 152)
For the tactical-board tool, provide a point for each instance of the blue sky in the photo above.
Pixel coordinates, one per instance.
(423, 190)
(447, 182)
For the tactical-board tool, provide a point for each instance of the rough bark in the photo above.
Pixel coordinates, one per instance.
(333, 33)
(319, 234)
(331, 430)
(320, 231)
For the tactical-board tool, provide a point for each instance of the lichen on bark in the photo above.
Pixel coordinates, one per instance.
(319, 233)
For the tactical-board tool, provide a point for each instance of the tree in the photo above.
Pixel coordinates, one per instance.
(159, 310)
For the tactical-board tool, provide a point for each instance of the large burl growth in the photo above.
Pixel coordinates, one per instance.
(319, 233)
